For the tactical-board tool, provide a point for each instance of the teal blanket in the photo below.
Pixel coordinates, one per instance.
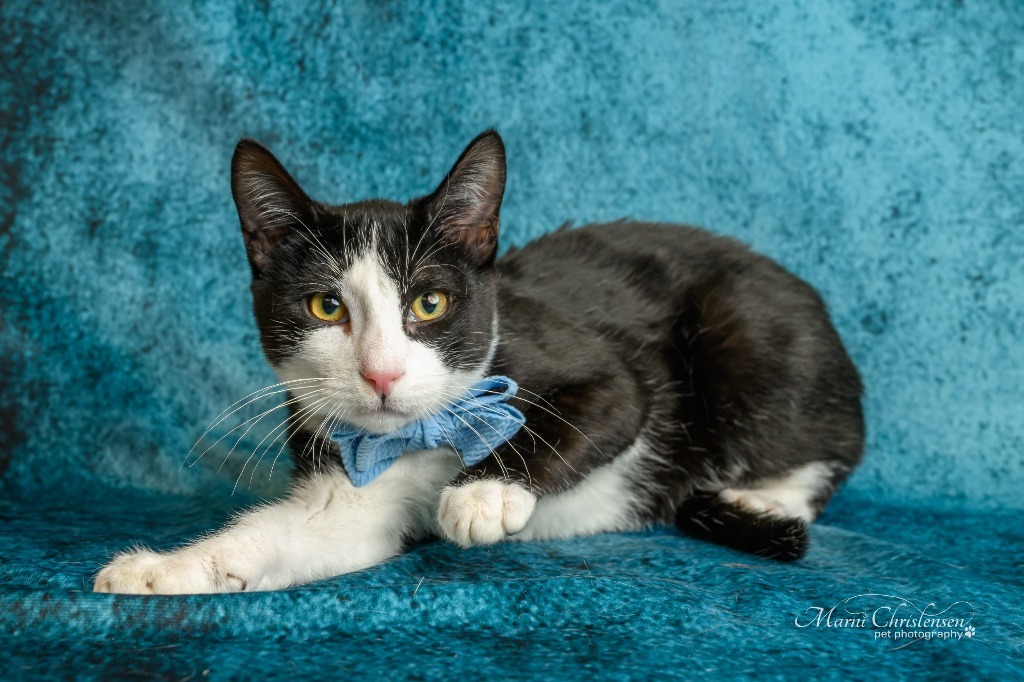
(876, 149)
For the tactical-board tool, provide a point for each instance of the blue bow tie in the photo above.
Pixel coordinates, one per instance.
(474, 426)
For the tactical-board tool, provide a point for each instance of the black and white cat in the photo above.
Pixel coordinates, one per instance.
(666, 375)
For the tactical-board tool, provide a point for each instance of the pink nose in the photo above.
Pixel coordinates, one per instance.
(382, 382)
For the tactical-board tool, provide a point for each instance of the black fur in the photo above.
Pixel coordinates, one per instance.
(724, 363)
(705, 515)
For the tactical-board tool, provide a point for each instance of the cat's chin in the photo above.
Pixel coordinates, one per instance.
(381, 420)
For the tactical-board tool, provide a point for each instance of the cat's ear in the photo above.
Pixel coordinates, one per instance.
(270, 203)
(465, 206)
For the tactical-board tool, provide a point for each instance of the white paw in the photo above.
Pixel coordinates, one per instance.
(146, 572)
(484, 512)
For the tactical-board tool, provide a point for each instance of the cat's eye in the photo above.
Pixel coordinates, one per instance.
(327, 307)
(429, 306)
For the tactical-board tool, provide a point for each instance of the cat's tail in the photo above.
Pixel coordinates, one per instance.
(709, 517)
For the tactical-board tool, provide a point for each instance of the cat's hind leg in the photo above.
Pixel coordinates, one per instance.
(800, 493)
(768, 517)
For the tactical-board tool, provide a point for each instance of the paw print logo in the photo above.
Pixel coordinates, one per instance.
(969, 631)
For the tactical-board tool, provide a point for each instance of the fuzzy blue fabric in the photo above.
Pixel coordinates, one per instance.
(874, 148)
(473, 426)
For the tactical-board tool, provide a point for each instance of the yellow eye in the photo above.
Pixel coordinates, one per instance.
(327, 307)
(429, 306)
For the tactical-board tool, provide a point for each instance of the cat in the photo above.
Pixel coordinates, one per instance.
(665, 375)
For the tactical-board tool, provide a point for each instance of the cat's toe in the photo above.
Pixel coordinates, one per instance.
(484, 512)
(146, 572)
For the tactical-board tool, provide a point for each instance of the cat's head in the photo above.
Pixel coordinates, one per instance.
(377, 312)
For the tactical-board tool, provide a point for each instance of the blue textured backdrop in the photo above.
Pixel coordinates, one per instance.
(876, 151)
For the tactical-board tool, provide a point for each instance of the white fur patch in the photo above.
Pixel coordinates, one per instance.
(375, 307)
(604, 501)
(787, 496)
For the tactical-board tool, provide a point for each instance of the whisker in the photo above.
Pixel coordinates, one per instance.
(255, 420)
(433, 218)
(441, 244)
(447, 436)
(252, 421)
(289, 421)
(530, 431)
(228, 411)
(295, 431)
(312, 442)
(283, 422)
(483, 440)
(553, 414)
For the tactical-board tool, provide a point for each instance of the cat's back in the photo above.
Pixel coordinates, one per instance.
(633, 268)
(630, 283)
(619, 246)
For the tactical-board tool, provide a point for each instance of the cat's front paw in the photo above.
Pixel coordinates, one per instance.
(484, 512)
(146, 572)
